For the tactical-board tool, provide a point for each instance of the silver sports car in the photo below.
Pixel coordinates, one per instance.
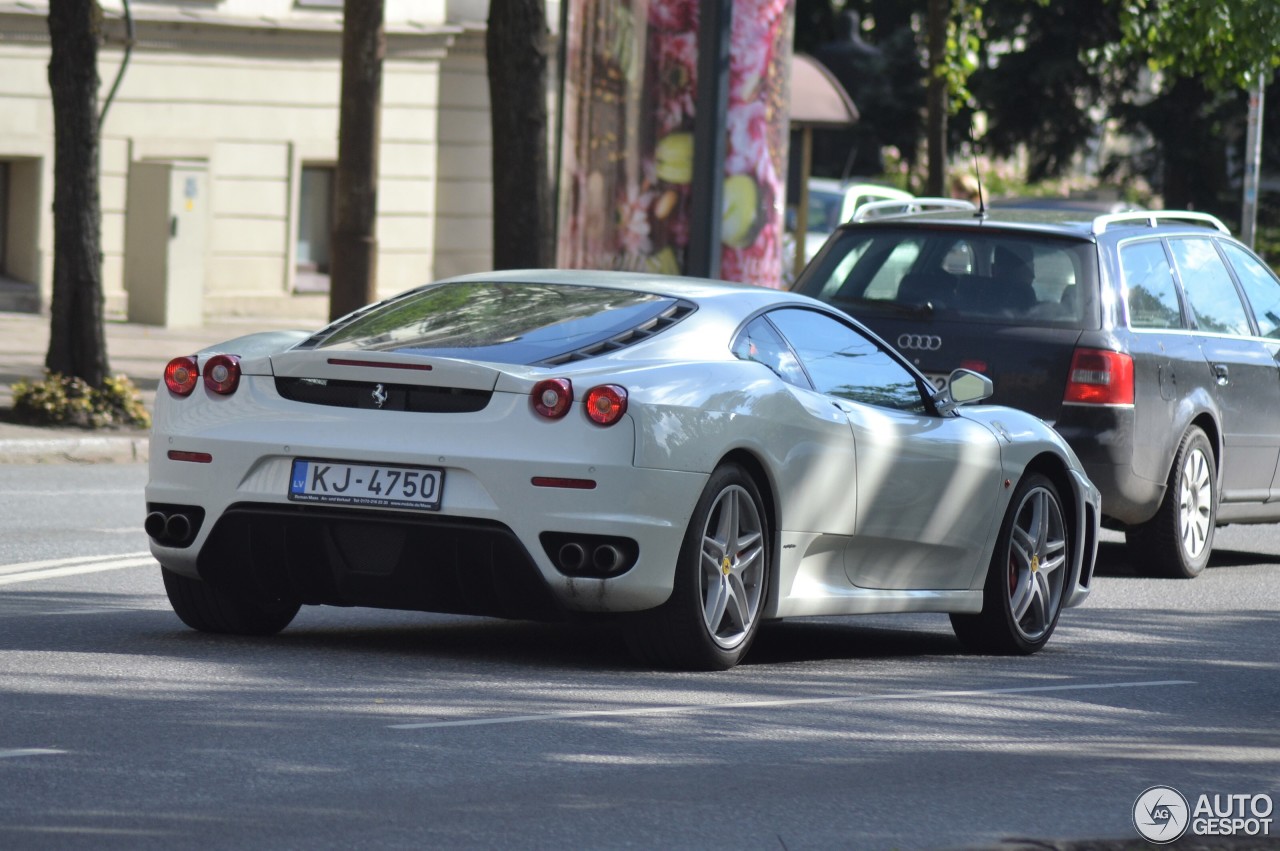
(689, 458)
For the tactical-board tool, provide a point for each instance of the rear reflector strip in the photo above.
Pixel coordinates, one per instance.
(424, 367)
(193, 457)
(571, 484)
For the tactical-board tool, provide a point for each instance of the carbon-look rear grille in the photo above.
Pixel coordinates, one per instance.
(385, 397)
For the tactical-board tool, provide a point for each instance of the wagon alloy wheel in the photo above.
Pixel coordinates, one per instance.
(720, 585)
(732, 567)
(1178, 541)
(1195, 499)
(1027, 580)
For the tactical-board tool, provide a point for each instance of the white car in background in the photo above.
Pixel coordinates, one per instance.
(688, 457)
(833, 202)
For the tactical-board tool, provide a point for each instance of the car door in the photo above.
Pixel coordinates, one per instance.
(1262, 292)
(927, 484)
(1242, 366)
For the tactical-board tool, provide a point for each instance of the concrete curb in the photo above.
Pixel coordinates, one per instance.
(79, 450)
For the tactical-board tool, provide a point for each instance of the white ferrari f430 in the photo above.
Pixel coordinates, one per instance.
(690, 458)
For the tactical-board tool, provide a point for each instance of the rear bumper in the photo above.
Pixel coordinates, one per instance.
(488, 529)
(1103, 438)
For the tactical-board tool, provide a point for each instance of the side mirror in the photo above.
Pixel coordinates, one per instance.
(964, 386)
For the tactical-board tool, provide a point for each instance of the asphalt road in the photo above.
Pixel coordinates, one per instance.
(120, 728)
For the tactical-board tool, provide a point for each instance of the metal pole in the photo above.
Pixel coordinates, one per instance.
(1252, 162)
(707, 207)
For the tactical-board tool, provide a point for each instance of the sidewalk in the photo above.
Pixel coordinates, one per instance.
(138, 351)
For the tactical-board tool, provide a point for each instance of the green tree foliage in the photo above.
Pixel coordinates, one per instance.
(1224, 43)
(1035, 82)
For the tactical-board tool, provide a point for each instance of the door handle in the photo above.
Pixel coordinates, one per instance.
(1221, 374)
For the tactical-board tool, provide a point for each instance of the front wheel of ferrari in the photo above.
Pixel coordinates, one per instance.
(1026, 582)
(206, 608)
(721, 581)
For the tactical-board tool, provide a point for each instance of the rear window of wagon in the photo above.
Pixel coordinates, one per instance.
(967, 274)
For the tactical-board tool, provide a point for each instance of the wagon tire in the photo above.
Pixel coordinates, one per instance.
(1177, 542)
(207, 608)
(721, 582)
(1027, 580)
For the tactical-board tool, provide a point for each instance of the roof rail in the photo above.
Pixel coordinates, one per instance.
(905, 206)
(1152, 218)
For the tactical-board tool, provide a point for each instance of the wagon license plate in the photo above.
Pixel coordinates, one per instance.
(375, 485)
(937, 379)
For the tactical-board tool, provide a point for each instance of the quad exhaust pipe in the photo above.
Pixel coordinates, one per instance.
(172, 529)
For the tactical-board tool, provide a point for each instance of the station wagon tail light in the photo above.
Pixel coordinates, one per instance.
(222, 374)
(180, 376)
(552, 397)
(606, 404)
(1100, 377)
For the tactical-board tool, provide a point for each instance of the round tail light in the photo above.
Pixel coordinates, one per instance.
(606, 404)
(222, 374)
(180, 376)
(552, 397)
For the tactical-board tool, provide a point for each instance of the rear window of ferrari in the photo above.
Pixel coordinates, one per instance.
(516, 323)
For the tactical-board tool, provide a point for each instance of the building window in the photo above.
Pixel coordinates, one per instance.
(315, 220)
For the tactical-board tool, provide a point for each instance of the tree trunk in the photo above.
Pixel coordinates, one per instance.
(936, 98)
(77, 344)
(353, 262)
(516, 50)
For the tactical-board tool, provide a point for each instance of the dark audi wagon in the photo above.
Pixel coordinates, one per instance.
(1150, 340)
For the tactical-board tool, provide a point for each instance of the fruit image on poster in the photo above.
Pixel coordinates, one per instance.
(627, 153)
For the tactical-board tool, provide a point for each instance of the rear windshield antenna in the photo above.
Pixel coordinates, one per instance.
(977, 173)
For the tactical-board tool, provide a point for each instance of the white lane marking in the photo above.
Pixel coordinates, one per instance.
(59, 562)
(765, 704)
(15, 752)
(81, 492)
(13, 573)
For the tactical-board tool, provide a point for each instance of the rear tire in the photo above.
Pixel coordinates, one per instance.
(1026, 582)
(206, 608)
(1177, 542)
(721, 582)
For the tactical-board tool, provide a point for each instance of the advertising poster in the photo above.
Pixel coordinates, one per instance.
(627, 145)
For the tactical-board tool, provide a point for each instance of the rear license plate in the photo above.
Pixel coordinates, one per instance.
(375, 485)
(938, 380)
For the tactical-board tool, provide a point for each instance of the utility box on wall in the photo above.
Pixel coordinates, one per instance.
(166, 217)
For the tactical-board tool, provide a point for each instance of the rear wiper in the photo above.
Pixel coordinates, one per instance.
(914, 310)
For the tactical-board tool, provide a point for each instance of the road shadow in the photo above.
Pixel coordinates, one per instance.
(1113, 560)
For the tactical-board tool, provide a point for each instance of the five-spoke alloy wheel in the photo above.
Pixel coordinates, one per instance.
(721, 581)
(1027, 578)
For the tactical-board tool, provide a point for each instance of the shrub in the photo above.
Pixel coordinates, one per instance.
(66, 400)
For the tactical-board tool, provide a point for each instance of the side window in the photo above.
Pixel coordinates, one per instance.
(1260, 285)
(1153, 300)
(759, 342)
(1210, 291)
(843, 362)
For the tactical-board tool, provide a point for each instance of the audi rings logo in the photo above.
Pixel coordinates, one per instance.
(919, 342)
